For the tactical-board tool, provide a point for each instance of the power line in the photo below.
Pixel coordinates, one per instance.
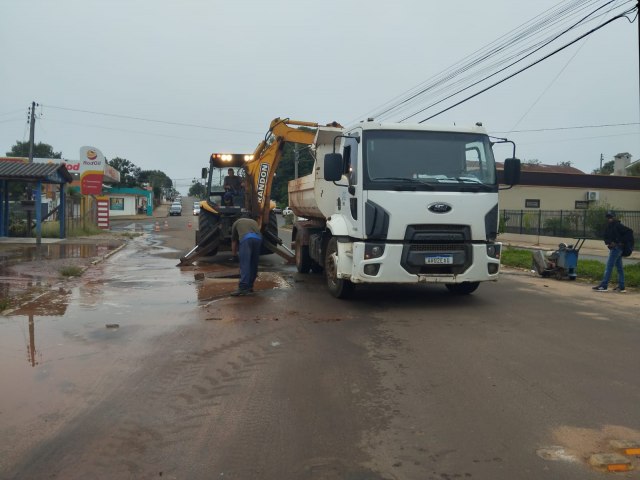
(524, 68)
(508, 49)
(570, 128)
(548, 86)
(11, 112)
(142, 119)
(126, 130)
(581, 138)
(530, 29)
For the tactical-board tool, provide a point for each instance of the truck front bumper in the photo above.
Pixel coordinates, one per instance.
(361, 262)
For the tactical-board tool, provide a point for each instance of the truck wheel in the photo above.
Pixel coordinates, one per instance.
(338, 287)
(272, 228)
(303, 260)
(464, 288)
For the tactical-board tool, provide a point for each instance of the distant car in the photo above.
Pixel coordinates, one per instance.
(175, 209)
(277, 210)
(287, 211)
(196, 208)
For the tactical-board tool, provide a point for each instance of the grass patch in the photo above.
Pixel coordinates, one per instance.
(4, 304)
(52, 230)
(589, 270)
(71, 271)
(129, 235)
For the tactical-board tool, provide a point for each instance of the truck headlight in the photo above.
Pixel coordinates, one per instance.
(373, 251)
(493, 250)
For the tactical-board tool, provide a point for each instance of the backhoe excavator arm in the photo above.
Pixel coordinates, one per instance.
(266, 157)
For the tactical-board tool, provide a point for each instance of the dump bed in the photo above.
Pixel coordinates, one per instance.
(305, 193)
(302, 198)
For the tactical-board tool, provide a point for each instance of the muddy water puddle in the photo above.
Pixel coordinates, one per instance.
(218, 281)
(72, 326)
(29, 253)
(27, 269)
(64, 345)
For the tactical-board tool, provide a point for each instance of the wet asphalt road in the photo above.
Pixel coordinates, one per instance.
(524, 379)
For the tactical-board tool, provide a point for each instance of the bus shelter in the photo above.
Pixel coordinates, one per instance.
(36, 175)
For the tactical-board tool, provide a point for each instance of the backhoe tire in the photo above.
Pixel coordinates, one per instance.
(464, 288)
(207, 222)
(272, 228)
(303, 260)
(338, 287)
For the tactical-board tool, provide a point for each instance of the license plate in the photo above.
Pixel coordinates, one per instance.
(439, 260)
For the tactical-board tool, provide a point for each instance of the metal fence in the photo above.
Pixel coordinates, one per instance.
(564, 223)
(18, 218)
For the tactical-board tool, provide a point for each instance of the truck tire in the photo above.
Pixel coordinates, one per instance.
(303, 260)
(338, 287)
(464, 288)
(272, 228)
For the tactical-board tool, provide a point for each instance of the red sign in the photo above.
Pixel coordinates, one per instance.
(91, 184)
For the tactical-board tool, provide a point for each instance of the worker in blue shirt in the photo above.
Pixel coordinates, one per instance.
(246, 242)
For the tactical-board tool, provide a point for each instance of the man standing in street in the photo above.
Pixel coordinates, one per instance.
(614, 239)
(246, 243)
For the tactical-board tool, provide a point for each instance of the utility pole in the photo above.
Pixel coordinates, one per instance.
(601, 160)
(32, 128)
(296, 158)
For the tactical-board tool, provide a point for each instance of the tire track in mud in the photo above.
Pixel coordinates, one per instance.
(170, 416)
(191, 390)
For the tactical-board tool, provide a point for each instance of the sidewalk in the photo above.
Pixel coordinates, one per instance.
(535, 242)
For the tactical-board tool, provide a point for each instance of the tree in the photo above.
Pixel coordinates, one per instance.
(129, 173)
(286, 171)
(21, 149)
(40, 150)
(607, 169)
(567, 163)
(155, 178)
(197, 190)
(158, 180)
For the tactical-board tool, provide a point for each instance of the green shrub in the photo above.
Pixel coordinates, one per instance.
(4, 304)
(71, 271)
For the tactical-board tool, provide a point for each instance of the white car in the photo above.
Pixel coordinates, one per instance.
(287, 211)
(196, 208)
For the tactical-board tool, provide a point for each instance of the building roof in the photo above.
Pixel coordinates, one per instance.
(541, 167)
(34, 172)
(571, 180)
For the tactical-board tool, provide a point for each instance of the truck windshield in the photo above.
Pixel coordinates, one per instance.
(428, 160)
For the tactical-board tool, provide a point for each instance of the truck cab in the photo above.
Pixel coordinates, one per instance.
(399, 203)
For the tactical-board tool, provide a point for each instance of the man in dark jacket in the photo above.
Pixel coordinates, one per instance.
(614, 239)
(246, 242)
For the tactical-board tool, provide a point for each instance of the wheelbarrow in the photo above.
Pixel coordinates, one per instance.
(561, 263)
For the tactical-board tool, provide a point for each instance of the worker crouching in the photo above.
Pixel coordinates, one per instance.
(246, 242)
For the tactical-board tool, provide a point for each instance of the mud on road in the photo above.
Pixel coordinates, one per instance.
(140, 369)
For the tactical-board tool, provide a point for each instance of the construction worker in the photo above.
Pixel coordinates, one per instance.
(246, 242)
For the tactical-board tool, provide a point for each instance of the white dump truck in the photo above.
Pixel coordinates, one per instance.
(400, 203)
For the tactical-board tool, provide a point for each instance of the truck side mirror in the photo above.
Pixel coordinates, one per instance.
(333, 167)
(512, 171)
(204, 173)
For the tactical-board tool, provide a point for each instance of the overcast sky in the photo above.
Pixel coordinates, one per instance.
(232, 66)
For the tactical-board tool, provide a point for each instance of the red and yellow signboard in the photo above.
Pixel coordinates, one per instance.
(92, 164)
